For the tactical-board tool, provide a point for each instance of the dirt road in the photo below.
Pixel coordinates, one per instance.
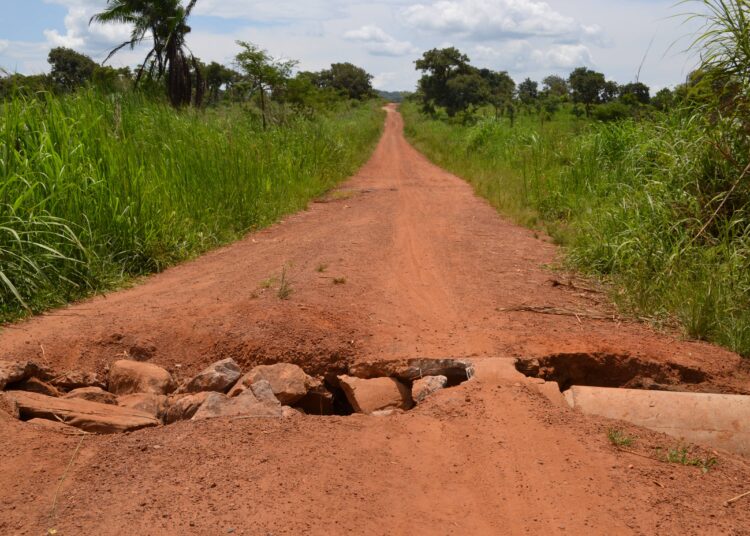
(402, 261)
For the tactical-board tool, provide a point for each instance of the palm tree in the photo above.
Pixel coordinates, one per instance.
(165, 22)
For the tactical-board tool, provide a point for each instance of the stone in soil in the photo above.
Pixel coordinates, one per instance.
(13, 372)
(129, 377)
(289, 382)
(427, 386)
(369, 396)
(218, 377)
(88, 416)
(154, 405)
(244, 405)
(35, 385)
(76, 379)
(93, 394)
(183, 407)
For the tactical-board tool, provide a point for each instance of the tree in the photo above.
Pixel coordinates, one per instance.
(70, 69)
(610, 91)
(586, 86)
(218, 75)
(528, 92)
(466, 90)
(636, 91)
(438, 67)
(663, 100)
(261, 72)
(165, 22)
(500, 88)
(555, 86)
(348, 79)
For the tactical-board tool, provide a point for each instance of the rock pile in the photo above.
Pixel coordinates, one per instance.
(137, 395)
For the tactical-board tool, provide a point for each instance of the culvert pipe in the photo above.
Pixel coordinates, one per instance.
(721, 421)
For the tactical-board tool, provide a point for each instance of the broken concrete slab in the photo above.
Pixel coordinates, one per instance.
(368, 396)
(721, 421)
(88, 416)
(129, 377)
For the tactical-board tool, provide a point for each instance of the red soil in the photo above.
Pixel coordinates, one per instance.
(430, 271)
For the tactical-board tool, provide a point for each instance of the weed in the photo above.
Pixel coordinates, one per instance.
(339, 280)
(321, 268)
(285, 289)
(268, 283)
(683, 456)
(619, 439)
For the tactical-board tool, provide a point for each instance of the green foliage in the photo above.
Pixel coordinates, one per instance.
(619, 439)
(612, 111)
(96, 189)
(528, 91)
(347, 79)
(586, 87)
(70, 69)
(683, 456)
(659, 208)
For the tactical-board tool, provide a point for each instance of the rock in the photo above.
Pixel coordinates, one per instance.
(317, 401)
(184, 407)
(289, 412)
(264, 392)
(368, 396)
(35, 385)
(289, 382)
(14, 372)
(129, 377)
(76, 379)
(154, 405)
(456, 370)
(93, 394)
(218, 377)
(426, 386)
(244, 405)
(88, 416)
(8, 407)
(56, 426)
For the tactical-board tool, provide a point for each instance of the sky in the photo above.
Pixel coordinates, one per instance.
(527, 38)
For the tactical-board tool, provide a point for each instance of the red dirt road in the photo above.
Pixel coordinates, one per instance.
(413, 265)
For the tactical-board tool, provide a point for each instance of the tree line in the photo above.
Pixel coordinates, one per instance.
(184, 79)
(450, 82)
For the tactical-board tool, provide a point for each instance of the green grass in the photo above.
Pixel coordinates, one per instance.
(683, 456)
(619, 439)
(647, 206)
(95, 190)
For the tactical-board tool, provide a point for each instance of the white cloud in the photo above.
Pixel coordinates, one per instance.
(4, 45)
(481, 20)
(379, 43)
(521, 56)
(381, 80)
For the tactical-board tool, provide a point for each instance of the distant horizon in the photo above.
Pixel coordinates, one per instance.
(527, 38)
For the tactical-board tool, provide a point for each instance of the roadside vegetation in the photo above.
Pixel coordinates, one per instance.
(107, 174)
(648, 192)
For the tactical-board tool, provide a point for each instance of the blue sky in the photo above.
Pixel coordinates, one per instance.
(525, 37)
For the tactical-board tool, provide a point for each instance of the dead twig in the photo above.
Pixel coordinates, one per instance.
(547, 310)
(737, 498)
(53, 511)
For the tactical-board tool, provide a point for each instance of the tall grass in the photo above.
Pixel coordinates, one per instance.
(97, 189)
(633, 202)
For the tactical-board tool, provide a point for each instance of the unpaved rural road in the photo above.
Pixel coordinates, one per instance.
(430, 270)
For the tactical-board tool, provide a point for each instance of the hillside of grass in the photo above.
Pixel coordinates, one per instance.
(97, 189)
(655, 207)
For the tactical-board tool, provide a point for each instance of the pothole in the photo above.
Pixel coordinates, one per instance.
(138, 394)
(609, 370)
